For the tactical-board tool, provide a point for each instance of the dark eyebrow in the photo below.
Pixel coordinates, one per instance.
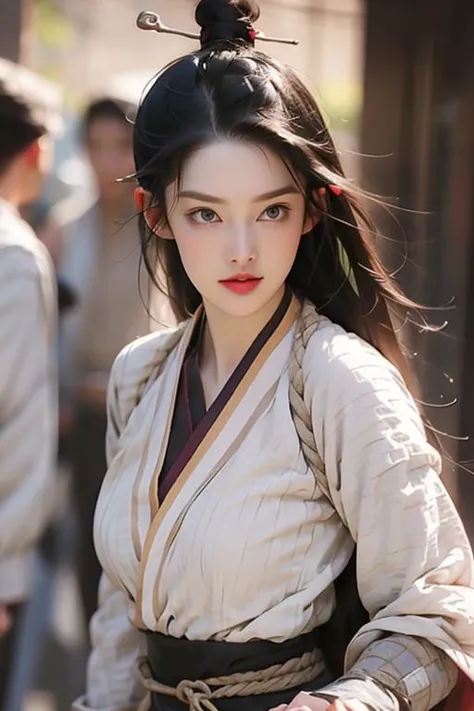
(286, 190)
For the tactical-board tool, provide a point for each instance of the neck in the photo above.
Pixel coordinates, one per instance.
(9, 188)
(227, 338)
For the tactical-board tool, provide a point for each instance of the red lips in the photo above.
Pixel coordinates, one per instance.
(241, 283)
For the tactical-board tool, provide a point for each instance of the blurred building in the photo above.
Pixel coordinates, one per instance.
(418, 121)
(15, 28)
(90, 46)
(102, 34)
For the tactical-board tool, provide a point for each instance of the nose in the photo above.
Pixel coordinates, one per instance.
(241, 249)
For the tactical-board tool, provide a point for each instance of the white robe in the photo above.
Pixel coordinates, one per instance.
(245, 544)
(28, 396)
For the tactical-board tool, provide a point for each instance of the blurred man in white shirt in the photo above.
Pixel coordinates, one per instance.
(28, 393)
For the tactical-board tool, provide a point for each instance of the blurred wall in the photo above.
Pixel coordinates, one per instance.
(105, 36)
(88, 45)
(418, 127)
(15, 28)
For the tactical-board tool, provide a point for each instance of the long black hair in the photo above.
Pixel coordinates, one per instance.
(228, 89)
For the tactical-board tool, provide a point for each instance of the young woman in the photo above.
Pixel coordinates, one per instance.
(253, 448)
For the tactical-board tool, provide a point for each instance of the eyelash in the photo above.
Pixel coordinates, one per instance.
(194, 213)
(282, 206)
(285, 209)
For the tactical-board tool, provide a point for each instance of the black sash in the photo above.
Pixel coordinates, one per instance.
(171, 660)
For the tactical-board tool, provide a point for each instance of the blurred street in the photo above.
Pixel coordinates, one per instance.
(59, 677)
(52, 650)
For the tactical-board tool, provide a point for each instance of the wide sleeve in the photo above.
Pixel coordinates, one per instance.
(415, 567)
(116, 418)
(28, 411)
(112, 683)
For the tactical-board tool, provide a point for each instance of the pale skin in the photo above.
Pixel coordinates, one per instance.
(110, 153)
(236, 210)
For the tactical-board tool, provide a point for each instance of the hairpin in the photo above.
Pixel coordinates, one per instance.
(147, 20)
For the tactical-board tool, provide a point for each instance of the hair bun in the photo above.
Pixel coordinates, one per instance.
(222, 20)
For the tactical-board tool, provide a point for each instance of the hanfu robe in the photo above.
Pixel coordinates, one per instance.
(211, 526)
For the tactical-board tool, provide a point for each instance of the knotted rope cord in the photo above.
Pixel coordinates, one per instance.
(199, 696)
(308, 322)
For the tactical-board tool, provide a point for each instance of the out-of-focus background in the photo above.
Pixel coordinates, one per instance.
(394, 78)
(92, 47)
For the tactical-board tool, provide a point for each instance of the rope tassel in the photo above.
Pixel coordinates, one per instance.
(199, 695)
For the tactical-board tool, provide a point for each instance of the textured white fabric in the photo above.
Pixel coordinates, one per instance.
(410, 666)
(111, 677)
(414, 567)
(28, 399)
(251, 513)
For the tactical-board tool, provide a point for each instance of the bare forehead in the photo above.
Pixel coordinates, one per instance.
(233, 169)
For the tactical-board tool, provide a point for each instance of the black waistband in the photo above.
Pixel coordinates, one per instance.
(172, 659)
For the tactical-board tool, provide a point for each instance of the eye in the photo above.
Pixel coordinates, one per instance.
(275, 212)
(204, 216)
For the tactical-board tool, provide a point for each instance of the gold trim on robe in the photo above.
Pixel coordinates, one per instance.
(211, 445)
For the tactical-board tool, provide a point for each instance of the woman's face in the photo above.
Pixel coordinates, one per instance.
(109, 146)
(237, 217)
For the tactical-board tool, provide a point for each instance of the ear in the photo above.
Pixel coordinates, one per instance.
(32, 155)
(313, 215)
(152, 215)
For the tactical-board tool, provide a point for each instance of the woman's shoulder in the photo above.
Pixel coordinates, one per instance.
(357, 396)
(343, 361)
(135, 363)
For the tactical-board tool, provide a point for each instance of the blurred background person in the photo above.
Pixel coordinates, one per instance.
(28, 392)
(99, 260)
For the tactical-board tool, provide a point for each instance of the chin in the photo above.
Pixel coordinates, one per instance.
(238, 306)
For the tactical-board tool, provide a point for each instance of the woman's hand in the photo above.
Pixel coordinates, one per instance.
(306, 702)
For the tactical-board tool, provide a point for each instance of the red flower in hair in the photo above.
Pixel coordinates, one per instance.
(252, 34)
(335, 190)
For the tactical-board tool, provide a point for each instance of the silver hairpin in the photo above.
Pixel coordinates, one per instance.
(147, 20)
